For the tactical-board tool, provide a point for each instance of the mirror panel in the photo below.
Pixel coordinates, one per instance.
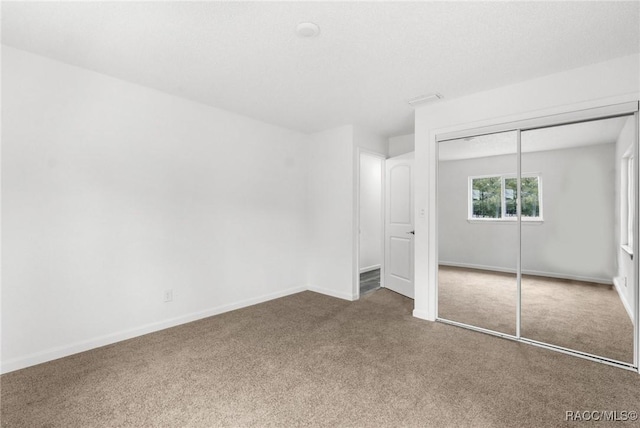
(477, 231)
(573, 227)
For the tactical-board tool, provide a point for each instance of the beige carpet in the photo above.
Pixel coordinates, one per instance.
(477, 297)
(578, 315)
(312, 360)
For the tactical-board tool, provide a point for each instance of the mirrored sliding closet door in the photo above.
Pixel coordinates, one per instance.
(575, 218)
(477, 233)
(537, 230)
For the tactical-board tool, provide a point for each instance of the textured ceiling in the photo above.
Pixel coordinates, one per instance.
(368, 60)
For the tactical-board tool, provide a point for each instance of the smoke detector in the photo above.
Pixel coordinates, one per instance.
(307, 29)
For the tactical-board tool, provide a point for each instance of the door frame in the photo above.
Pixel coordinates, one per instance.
(356, 239)
(534, 122)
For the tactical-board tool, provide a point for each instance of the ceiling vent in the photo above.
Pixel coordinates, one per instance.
(422, 99)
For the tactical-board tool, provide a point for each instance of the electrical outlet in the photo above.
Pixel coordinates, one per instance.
(168, 295)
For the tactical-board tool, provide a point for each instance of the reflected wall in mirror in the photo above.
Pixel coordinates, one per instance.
(573, 237)
(477, 231)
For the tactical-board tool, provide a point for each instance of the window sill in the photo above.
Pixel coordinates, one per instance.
(503, 221)
(627, 249)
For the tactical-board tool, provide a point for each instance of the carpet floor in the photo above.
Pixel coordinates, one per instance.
(313, 360)
(577, 315)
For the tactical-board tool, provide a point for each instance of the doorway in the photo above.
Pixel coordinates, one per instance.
(371, 221)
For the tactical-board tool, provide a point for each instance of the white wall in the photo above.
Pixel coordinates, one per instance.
(401, 144)
(369, 141)
(591, 86)
(330, 212)
(576, 238)
(624, 261)
(114, 193)
(333, 208)
(371, 171)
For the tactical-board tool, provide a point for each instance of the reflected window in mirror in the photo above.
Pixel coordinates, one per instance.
(494, 198)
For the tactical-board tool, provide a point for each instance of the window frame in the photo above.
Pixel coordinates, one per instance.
(503, 206)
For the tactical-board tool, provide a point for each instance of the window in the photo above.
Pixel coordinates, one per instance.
(628, 203)
(496, 197)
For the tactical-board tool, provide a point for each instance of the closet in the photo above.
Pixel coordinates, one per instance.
(537, 229)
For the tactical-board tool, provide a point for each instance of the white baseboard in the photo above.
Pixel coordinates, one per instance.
(422, 315)
(332, 293)
(607, 281)
(74, 348)
(623, 298)
(370, 268)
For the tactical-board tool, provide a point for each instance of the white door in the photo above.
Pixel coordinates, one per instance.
(399, 231)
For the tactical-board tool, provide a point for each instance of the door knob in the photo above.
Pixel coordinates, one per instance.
(413, 232)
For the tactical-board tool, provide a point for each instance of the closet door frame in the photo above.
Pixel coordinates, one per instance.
(577, 116)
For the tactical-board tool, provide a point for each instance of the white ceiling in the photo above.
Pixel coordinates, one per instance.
(603, 131)
(368, 60)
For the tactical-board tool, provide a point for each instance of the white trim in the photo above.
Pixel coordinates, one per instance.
(333, 293)
(568, 351)
(627, 199)
(636, 244)
(627, 249)
(519, 219)
(508, 220)
(543, 120)
(623, 298)
(430, 305)
(597, 280)
(370, 268)
(108, 339)
(580, 354)
(422, 315)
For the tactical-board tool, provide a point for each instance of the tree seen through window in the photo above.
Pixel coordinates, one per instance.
(486, 197)
(496, 197)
